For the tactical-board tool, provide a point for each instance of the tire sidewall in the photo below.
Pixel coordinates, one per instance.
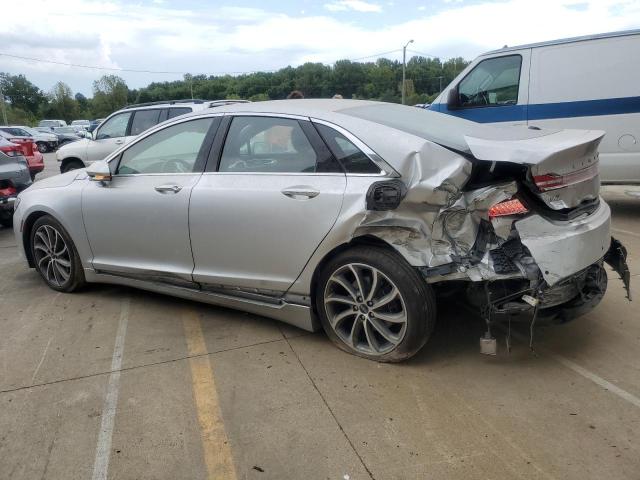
(76, 278)
(417, 295)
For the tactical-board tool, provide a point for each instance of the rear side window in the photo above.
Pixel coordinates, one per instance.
(492, 82)
(267, 144)
(176, 112)
(351, 157)
(143, 120)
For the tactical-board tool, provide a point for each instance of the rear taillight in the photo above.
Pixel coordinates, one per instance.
(11, 150)
(551, 181)
(508, 207)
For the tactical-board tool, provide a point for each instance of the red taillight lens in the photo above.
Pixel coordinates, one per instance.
(11, 151)
(508, 207)
(551, 181)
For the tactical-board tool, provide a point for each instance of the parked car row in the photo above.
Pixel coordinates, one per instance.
(14, 177)
(27, 147)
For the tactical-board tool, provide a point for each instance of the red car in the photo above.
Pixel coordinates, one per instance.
(29, 150)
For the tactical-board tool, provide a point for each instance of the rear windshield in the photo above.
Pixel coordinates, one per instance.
(440, 128)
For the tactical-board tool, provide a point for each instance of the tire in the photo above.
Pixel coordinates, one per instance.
(367, 317)
(64, 273)
(71, 165)
(42, 147)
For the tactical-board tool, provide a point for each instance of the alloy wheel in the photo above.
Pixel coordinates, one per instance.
(52, 255)
(365, 309)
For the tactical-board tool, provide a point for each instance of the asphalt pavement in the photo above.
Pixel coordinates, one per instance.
(118, 383)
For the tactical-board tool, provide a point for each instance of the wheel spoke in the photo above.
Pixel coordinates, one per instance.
(374, 285)
(60, 272)
(399, 317)
(43, 237)
(339, 299)
(344, 284)
(371, 339)
(384, 331)
(64, 262)
(354, 270)
(338, 319)
(46, 257)
(389, 297)
(355, 330)
(40, 247)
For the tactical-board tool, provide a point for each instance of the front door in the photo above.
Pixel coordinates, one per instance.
(108, 137)
(256, 221)
(137, 224)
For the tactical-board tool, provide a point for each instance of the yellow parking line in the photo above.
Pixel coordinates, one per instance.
(217, 453)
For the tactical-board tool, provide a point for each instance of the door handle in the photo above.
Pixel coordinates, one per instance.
(168, 188)
(295, 192)
(119, 142)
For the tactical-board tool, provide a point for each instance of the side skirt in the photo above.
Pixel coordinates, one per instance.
(299, 316)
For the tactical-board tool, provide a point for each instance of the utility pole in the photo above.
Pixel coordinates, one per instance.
(404, 68)
(4, 110)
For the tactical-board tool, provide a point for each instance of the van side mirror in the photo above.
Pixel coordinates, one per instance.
(99, 171)
(453, 98)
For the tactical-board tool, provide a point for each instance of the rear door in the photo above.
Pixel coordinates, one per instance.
(271, 193)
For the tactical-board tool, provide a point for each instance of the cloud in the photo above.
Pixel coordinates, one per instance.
(171, 37)
(355, 5)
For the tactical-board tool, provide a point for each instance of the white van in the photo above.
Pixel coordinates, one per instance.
(588, 82)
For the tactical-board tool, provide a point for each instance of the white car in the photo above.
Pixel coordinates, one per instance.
(123, 126)
(81, 123)
(46, 142)
(588, 83)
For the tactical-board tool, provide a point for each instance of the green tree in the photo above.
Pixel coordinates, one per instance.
(109, 94)
(61, 104)
(21, 93)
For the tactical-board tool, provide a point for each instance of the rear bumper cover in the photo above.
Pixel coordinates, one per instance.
(562, 249)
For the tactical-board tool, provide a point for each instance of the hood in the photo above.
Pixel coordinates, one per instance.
(61, 180)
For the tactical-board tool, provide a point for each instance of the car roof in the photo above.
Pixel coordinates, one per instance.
(359, 117)
(560, 41)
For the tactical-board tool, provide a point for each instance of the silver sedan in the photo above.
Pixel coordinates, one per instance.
(353, 216)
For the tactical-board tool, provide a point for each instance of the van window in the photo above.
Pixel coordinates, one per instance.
(493, 82)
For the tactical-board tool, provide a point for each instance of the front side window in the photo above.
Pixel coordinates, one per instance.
(115, 127)
(174, 149)
(493, 82)
(351, 157)
(267, 144)
(144, 119)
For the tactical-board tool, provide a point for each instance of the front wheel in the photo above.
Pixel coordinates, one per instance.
(55, 255)
(372, 303)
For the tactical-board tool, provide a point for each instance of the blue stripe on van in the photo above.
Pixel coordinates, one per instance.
(541, 111)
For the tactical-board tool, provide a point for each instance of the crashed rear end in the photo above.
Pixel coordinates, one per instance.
(520, 222)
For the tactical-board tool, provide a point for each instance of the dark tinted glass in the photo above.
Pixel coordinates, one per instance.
(144, 119)
(351, 157)
(176, 112)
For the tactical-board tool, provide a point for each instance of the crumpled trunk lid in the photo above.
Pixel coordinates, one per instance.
(562, 165)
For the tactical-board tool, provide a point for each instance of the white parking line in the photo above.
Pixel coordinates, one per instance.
(103, 449)
(571, 365)
(626, 232)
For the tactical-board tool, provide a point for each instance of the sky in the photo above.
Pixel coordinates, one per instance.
(217, 37)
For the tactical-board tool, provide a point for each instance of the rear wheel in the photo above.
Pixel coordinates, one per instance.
(372, 303)
(55, 255)
(42, 147)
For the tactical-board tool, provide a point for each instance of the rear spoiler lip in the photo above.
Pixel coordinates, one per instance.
(533, 151)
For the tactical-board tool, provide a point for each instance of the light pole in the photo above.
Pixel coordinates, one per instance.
(404, 67)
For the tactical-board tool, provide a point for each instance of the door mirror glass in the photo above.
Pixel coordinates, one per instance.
(493, 82)
(99, 171)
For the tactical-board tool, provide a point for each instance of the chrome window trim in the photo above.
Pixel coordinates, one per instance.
(182, 174)
(281, 174)
(386, 170)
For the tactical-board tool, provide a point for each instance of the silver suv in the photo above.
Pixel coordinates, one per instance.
(123, 126)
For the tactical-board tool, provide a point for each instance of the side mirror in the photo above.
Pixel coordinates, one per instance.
(453, 98)
(99, 171)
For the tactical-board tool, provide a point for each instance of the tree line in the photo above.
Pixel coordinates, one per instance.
(381, 80)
